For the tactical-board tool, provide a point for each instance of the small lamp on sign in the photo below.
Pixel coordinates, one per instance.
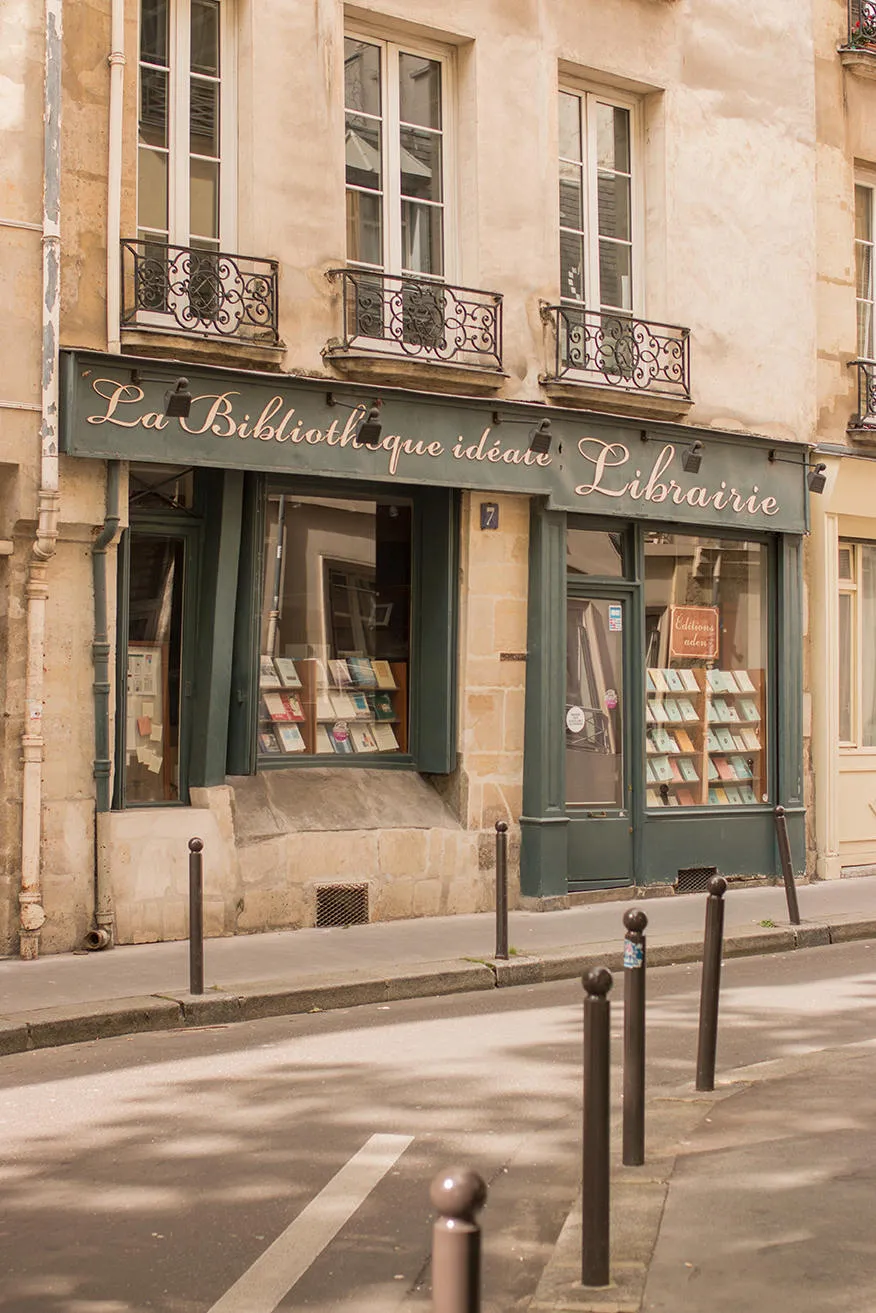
(540, 437)
(369, 431)
(693, 458)
(178, 400)
(817, 478)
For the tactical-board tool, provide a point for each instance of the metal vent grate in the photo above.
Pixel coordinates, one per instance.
(695, 879)
(341, 904)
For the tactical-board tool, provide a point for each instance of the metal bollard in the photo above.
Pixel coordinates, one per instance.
(711, 984)
(787, 866)
(196, 916)
(457, 1194)
(597, 1113)
(634, 1038)
(502, 890)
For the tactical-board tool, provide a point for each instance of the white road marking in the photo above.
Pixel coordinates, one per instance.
(270, 1278)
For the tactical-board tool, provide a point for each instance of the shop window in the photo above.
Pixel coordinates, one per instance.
(706, 678)
(857, 623)
(396, 145)
(335, 639)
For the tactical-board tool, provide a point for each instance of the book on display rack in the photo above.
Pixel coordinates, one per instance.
(341, 705)
(703, 740)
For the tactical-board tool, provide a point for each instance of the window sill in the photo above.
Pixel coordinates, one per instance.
(615, 400)
(201, 347)
(859, 60)
(862, 435)
(399, 371)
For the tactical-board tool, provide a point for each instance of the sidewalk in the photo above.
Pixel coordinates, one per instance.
(758, 1197)
(81, 996)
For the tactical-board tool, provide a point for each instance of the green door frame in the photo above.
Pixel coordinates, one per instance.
(662, 843)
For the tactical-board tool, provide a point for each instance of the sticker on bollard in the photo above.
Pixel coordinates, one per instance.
(634, 954)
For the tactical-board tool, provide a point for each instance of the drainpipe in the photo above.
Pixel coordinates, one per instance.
(116, 61)
(31, 912)
(101, 933)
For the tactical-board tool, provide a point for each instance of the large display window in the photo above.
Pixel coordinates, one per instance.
(706, 663)
(335, 634)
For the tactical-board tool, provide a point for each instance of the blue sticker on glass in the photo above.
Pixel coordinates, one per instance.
(615, 617)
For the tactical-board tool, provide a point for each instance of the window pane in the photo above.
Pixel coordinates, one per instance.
(153, 31)
(152, 190)
(865, 330)
(571, 267)
(205, 37)
(363, 152)
(863, 214)
(571, 196)
(591, 552)
(154, 666)
(204, 198)
(364, 228)
(422, 239)
(864, 271)
(613, 195)
(362, 76)
(594, 704)
(706, 671)
(420, 164)
(845, 563)
(615, 281)
(570, 127)
(204, 118)
(846, 656)
(419, 90)
(335, 631)
(153, 107)
(868, 649)
(613, 138)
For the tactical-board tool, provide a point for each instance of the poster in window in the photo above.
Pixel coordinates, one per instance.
(693, 632)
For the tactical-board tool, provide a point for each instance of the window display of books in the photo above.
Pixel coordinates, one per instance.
(704, 737)
(350, 705)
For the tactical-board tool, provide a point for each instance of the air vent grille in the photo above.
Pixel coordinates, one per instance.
(341, 904)
(694, 879)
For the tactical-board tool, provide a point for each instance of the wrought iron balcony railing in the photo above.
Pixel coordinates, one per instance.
(205, 292)
(612, 349)
(862, 24)
(392, 315)
(866, 416)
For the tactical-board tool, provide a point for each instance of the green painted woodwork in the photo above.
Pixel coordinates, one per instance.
(247, 611)
(278, 424)
(220, 492)
(544, 823)
(434, 625)
(560, 848)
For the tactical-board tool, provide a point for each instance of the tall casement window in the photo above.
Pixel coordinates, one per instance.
(597, 203)
(186, 121)
(396, 142)
(864, 193)
(857, 664)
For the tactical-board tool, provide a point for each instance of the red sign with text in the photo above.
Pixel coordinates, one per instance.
(693, 632)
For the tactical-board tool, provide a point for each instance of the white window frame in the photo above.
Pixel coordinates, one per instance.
(589, 94)
(862, 647)
(867, 182)
(179, 50)
(390, 49)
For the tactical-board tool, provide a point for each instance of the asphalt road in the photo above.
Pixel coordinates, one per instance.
(285, 1163)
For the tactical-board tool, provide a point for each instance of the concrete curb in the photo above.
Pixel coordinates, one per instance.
(227, 1004)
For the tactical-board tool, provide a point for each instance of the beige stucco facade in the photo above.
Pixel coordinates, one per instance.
(747, 131)
(845, 776)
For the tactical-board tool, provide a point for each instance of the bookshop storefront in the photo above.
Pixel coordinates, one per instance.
(309, 583)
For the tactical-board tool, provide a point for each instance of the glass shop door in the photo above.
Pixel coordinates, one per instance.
(598, 787)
